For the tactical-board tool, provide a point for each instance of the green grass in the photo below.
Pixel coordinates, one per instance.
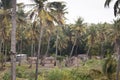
(91, 70)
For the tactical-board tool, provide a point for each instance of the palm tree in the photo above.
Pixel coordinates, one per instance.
(102, 37)
(116, 28)
(41, 13)
(91, 37)
(68, 31)
(44, 17)
(13, 41)
(58, 10)
(78, 32)
(62, 40)
(7, 4)
(48, 36)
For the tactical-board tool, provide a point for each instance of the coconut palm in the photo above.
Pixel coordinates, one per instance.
(58, 10)
(44, 17)
(102, 31)
(91, 37)
(13, 40)
(62, 40)
(79, 30)
(116, 28)
(7, 4)
(49, 32)
(68, 32)
(41, 13)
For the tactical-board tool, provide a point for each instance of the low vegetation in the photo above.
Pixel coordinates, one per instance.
(93, 69)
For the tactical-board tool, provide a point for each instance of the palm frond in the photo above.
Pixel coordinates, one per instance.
(107, 2)
(58, 6)
(116, 7)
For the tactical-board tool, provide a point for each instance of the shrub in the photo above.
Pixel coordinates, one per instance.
(20, 72)
(58, 74)
(109, 67)
(55, 74)
(6, 76)
(77, 75)
(94, 73)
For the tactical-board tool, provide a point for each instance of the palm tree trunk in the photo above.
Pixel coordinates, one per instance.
(102, 51)
(48, 46)
(3, 50)
(13, 41)
(38, 54)
(0, 46)
(3, 47)
(76, 50)
(6, 54)
(118, 64)
(88, 53)
(32, 49)
(56, 47)
(73, 47)
(18, 48)
(19, 64)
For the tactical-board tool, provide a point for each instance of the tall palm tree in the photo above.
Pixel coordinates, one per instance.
(102, 37)
(78, 32)
(91, 37)
(69, 33)
(7, 4)
(58, 10)
(117, 38)
(116, 32)
(62, 40)
(13, 41)
(48, 35)
(43, 16)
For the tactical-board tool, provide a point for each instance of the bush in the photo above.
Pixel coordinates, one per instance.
(77, 75)
(74, 74)
(58, 74)
(94, 73)
(55, 74)
(20, 72)
(6, 76)
(109, 67)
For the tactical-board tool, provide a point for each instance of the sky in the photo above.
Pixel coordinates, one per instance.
(92, 11)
